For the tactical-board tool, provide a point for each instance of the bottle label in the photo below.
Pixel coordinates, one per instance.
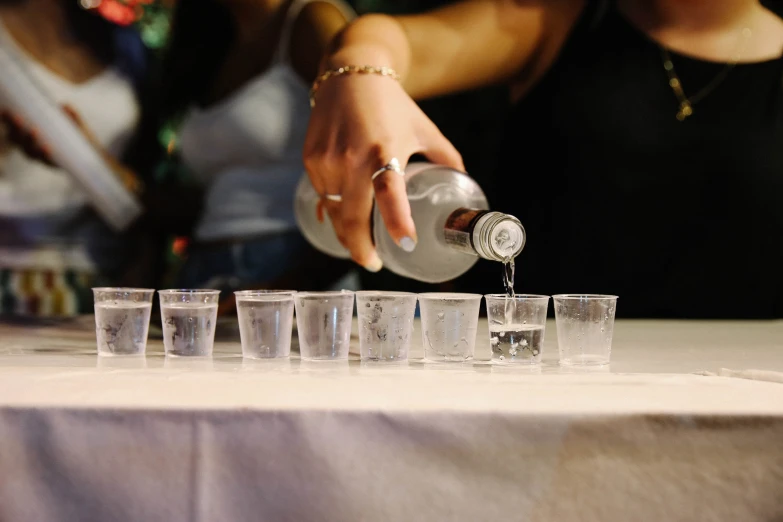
(458, 231)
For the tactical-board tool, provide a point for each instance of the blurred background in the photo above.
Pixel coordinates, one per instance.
(155, 85)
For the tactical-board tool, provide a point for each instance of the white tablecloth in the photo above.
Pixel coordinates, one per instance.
(650, 438)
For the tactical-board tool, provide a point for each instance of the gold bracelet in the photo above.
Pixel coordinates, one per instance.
(349, 69)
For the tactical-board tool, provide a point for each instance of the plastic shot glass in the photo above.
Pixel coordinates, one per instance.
(385, 324)
(448, 326)
(266, 320)
(324, 321)
(189, 318)
(585, 325)
(516, 327)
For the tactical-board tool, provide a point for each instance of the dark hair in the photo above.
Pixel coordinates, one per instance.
(88, 28)
(93, 31)
(202, 32)
(120, 47)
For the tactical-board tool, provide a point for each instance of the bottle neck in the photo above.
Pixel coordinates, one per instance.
(490, 235)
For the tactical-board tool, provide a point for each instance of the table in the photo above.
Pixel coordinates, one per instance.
(650, 438)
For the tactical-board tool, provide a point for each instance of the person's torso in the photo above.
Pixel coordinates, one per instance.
(40, 205)
(247, 149)
(679, 218)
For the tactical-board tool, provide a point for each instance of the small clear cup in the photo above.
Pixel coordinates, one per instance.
(189, 318)
(122, 320)
(449, 322)
(266, 320)
(385, 325)
(324, 321)
(585, 325)
(516, 327)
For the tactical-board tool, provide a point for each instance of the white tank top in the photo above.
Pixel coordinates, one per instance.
(37, 202)
(247, 149)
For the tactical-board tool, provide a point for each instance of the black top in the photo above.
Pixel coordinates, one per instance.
(680, 219)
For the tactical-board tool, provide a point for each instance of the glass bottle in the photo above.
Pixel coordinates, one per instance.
(453, 223)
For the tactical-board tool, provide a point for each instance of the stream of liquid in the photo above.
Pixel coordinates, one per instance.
(508, 284)
(508, 276)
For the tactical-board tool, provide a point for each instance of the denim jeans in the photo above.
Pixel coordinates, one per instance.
(232, 266)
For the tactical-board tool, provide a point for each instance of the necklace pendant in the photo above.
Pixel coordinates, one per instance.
(686, 109)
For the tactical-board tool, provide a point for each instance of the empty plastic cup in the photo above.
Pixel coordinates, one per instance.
(585, 324)
(324, 321)
(448, 326)
(385, 324)
(266, 320)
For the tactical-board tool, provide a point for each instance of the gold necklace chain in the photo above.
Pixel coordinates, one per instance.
(686, 103)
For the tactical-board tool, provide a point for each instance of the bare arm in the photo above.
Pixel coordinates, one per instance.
(465, 45)
(315, 27)
(361, 122)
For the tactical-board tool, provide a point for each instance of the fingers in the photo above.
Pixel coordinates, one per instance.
(390, 192)
(17, 132)
(351, 177)
(392, 201)
(315, 157)
(337, 170)
(354, 131)
(350, 217)
(77, 120)
(71, 113)
(26, 138)
(35, 148)
(320, 210)
(355, 219)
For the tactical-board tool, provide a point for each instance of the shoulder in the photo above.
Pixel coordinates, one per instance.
(542, 25)
(557, 20)
(769, 31)
(556, 8)
(314, 28)
(320, 16)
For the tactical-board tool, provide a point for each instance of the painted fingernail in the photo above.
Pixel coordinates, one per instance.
(375, 265)
(408, 244)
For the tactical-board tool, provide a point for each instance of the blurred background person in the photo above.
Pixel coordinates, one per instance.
(239, 102)
(643, 153)
(53, 247)
(235, 79)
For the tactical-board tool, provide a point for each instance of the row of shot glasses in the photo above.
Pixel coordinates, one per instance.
(324, 322)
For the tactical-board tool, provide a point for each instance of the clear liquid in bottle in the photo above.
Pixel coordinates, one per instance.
(453, 225)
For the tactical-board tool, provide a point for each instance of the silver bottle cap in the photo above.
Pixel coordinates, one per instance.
(498, 236)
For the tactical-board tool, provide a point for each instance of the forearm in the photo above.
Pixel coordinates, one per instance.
(377, 40)
(461, 46)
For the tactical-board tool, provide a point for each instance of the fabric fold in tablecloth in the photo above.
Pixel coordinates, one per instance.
(753, 375)
(200, 466)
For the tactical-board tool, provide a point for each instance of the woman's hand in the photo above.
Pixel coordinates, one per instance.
(21, 134)
(18, 133)
(359, 123)
(27, 139)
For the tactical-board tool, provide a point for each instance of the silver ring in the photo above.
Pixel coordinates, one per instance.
(394, 165)
(337, 198)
